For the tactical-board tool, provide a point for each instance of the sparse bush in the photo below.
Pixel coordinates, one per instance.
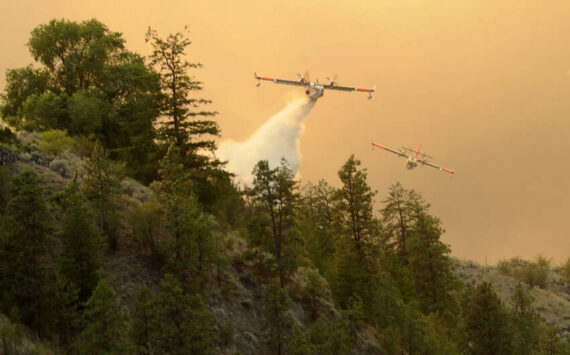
(62, 167)
(85, 145)
(145, 221)
(532, 273)
(55, 141)
(127, 187)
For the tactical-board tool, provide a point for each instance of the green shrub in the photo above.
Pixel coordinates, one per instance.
(62, 167)
(55, 141)
(532, 273)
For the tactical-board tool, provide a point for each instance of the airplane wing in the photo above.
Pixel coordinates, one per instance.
(346, 88)
(281, 81)
(437, 167)
(413, 151)
(390, 150)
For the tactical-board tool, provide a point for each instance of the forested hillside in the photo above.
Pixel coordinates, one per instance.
(122, 233)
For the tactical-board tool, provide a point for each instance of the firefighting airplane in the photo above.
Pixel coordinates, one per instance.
(412, 157)
(313, 89)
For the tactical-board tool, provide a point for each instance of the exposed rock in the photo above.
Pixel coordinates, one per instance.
(7, 157)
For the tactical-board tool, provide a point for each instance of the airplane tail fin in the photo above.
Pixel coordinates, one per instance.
(418, 151)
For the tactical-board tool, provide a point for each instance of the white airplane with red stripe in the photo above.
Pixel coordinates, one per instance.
(412, 157)
(313, 89)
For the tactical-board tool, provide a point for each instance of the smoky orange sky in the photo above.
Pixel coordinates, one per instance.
(483, 85)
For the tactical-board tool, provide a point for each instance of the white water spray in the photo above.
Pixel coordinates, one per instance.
(278, 137)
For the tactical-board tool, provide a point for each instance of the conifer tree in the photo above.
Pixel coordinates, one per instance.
(358, 246)
(526, 322)
(143, 322)
(103, 189)
(397, 219)
(187, 122)
(278, 322)
(430, 266)
(187, 242)
(66, 310)
(355, 205)
(487, 323)
(106, 330)
(318, 223)
(330, 337)
(183, 323)
(80, 257)
(275, 190)
(25, 251)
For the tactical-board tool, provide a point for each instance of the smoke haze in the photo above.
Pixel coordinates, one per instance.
(484, 86)
(278, 137)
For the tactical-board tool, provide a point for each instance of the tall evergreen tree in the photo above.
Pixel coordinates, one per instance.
(430, 266)
(187, 121)
(143, 322)
(183, 323)
(358, 246)
(525, 321)
(80, 257)
(278, 323)
(103, 190)
(25, 251)
(400, 212)
(66, 310)
(106, 330)
(318, 223)
(355, 205)
(487, 323)
(187, 243)
(275, 190)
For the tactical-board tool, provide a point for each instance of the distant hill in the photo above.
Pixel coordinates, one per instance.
(552, 302)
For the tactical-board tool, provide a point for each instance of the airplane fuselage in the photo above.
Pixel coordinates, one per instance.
(411, 163)
(314, 91)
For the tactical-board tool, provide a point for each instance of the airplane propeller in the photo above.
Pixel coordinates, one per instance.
(333, 80)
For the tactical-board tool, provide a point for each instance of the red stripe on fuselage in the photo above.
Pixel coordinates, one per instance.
(367, 90)
(379, 146)
(266, 78)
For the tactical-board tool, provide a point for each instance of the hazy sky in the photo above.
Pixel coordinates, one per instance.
(483, 85)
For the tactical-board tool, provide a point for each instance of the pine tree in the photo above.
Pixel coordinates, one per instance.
(184, 128)
(525, 321)
(399, 215)
(275, 190)
(318, 224)
(355, 205)
(487, 324)
(430, 266)
(80, 257)
(25, 251)
(315, 291)
(143, 322)
(106, 330)
(183, 323)
(187, 243)
(330, 337)
(103, 190)
(278, 323)
(358, 246)
(66, 310)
